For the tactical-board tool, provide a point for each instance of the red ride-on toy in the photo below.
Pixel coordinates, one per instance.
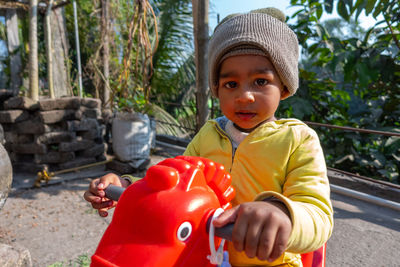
(163, 219)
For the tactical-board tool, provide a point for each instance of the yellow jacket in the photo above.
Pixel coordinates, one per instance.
(283, 159)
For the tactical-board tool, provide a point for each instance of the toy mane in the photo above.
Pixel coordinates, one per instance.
(217, 178)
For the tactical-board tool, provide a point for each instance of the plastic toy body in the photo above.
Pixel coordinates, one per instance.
(315, 258)
(161, 219)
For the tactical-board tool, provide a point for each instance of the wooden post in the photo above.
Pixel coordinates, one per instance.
(200, 23)
(78, 51)
(60, 58)
(49, 51)
(106, 53)
(33, 51)
(13, 46)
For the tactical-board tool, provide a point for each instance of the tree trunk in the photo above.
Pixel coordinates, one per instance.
(106, 52)
(200, 23)
(33, 51)
(13, 50)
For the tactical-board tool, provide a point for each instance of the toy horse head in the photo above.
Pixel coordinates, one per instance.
(161, 219)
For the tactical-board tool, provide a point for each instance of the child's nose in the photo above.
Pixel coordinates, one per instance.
(246, 95)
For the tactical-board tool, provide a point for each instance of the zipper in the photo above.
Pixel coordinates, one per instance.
(224, 134)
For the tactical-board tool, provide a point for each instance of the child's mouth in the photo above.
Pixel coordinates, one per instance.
(245, 115)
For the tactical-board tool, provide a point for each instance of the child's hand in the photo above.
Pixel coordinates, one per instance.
(96, 195)
(261, 229)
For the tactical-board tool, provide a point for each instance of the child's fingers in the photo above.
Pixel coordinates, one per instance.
(242, 224)
(93, 186)
(98, 185)
(281, 240)
(267, 241)
(103, 212)
(102, 184)
(252, 237)
(103, 205)
(90, 197)
(226, 217)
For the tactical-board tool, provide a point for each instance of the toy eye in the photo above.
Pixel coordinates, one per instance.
(184, 231)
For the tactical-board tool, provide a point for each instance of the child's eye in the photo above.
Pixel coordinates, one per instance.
(261, 82)
(231, 85)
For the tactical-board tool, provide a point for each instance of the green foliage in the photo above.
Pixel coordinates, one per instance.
(352, 79)
(169, 74)
(89, 40)
(173, 81)
(81, 261)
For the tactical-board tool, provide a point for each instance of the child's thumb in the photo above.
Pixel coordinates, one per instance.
(104, 182)
(228, 216)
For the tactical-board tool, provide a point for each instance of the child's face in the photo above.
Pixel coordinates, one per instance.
(249, 90)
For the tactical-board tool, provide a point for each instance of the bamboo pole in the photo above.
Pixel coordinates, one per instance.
(78, 52)
(106, 54)
(33, 51)
(49, 51)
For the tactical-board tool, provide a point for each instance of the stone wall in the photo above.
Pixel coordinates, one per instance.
(54, 133)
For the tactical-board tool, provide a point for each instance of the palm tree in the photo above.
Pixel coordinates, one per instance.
(174, 80)
(174, 49)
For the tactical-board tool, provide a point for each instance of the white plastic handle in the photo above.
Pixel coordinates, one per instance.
(216, 257)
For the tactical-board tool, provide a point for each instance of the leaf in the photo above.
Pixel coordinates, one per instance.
(301, 108)
(384, 172)
(313, 47)
(359, 7)
(321, 31)
(381, 6)
(392, 144)
(370, 6)
(319, 11)
(342, 10)
(367, 36)
(349, 3)
(328, 4)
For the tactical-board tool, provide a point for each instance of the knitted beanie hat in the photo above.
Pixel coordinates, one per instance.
(260, 32)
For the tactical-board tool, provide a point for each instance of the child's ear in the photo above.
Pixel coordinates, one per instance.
(284, 93)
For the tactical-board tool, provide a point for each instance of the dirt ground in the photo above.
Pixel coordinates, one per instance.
(54, 223)
(57, 225)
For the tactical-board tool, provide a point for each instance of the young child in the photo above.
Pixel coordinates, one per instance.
(282, 205)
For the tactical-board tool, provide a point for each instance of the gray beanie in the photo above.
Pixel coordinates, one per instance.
(256, 33)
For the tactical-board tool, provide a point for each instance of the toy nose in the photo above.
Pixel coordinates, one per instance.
(160, 177)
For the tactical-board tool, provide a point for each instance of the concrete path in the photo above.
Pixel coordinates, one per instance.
(364, 234)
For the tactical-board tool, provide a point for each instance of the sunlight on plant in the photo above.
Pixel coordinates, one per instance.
(81, 261)
(133, 89)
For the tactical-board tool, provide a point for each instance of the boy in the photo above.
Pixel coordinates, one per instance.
(282, 204)
(277, 166)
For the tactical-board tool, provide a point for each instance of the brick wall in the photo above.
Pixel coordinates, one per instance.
(55, 133)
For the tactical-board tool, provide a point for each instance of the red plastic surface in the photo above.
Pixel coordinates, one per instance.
(146, 223)
(150, 221)
(315, 258)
